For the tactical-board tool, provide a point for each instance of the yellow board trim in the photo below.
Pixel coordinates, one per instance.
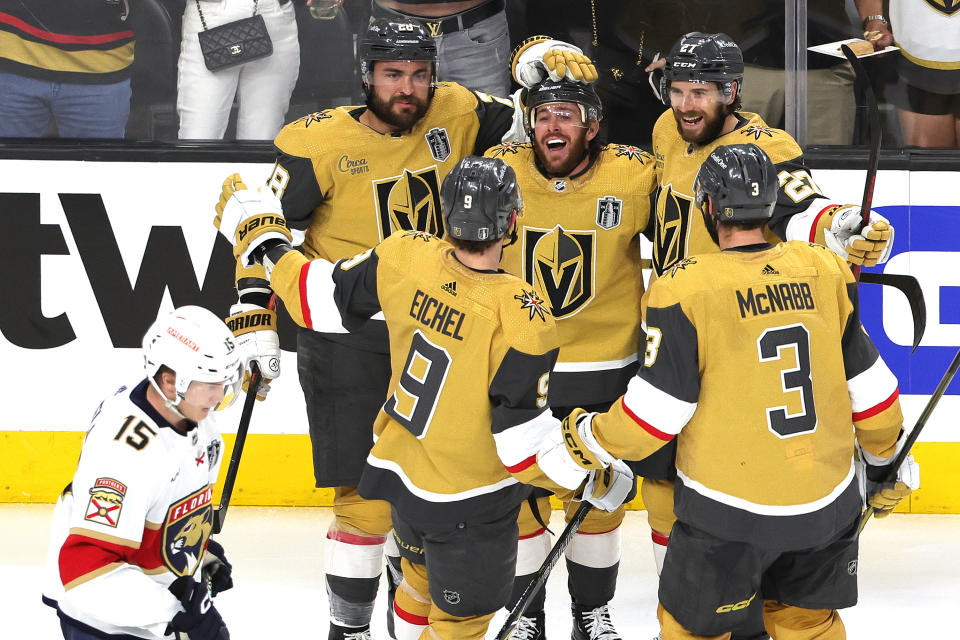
(277, 470)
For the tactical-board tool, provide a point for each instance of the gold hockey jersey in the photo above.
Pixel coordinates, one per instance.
(579, 248)
(677, 228)
(757, 362)
(350, 187)
(466, 411)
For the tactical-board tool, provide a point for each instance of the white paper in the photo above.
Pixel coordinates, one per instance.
(833, 49)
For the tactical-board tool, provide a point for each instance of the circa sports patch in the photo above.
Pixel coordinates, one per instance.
(106, 501)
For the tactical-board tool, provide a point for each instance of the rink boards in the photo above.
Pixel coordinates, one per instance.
(96, 249)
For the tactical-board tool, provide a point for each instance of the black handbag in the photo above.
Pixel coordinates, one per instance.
(235, 42)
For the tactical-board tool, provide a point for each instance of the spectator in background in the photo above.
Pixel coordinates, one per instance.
(65, 63)
(928, 94)
(473, 43)
(262, 87)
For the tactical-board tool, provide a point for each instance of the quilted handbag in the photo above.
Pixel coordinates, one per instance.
(235, 42)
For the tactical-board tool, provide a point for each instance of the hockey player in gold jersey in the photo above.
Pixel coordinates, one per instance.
(349, 177)
(579, 249)
(758, 367)
(701, 85)
(450, 454)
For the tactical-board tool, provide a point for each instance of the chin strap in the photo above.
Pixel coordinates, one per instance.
(169, 404)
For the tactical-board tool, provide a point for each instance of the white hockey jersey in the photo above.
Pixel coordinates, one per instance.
(136, 516)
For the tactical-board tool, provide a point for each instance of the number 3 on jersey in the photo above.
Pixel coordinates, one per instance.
(424, 374)
(771, 345)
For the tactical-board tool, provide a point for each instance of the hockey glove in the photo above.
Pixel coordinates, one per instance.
(216, 568)
(866, 247)
(609, 488)
(248, 218)
(255, 330)
(582, 447)
(539, 57)
(200, 620)
(885, 496)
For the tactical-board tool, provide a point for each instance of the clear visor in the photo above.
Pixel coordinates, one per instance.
(212, 395)
(693, 94)
(394, 74)
(566, 114)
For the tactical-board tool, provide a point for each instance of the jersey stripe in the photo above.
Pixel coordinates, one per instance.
(523, 464)
(872, 411)
(670, 413)
(433, 496)
(352, 538)
(769, 509)
(63, 38)
(516, 444)
(573, 367)
(304, 302)
(872, 388)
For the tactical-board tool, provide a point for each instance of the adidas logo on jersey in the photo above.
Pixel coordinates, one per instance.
(450, 287)
(769, 271)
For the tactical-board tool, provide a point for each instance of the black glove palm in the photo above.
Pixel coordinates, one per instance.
(217, 568)
(200, 620)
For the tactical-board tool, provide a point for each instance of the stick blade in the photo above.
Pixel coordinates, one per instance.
(910, 287)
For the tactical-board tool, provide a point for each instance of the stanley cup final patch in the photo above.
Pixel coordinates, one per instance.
(608, 212)
(106, 501)
(439, 143)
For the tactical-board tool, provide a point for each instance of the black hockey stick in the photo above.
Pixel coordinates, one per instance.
(221, 513)
(917, 428)
(539, 580)
(905, 283)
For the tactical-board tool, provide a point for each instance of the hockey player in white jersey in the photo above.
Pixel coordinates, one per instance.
(132, 529)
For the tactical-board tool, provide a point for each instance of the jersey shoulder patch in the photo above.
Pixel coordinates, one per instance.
(629, 153)
(309, 136)
(510, 151)
(777, 143)
(528, 324)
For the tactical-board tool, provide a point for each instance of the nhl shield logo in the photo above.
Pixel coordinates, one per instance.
(608, 212)
(188, 525)
(439, 143)
(451, 596)
(559, 186)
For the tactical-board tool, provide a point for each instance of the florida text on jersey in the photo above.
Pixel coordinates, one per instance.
(446, 447)
(579, 249)
(781, 322)
(677, 228)
(349, 187)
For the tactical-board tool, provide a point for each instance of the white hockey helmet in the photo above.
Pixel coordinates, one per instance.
(197, 346)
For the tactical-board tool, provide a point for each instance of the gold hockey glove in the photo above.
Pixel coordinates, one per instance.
(577, 448)
(539, 57)
(842, 234)
(248, 218)
(886, 500)
(609, 488)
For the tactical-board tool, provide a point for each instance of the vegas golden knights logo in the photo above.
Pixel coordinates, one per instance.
(946, 7)
(410, 201)
(672, 228)
(560, 266)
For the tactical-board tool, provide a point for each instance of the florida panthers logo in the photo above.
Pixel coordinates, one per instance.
(672, 228)
(188, 524)
(560, 266)
(410, 201)
(946, 7)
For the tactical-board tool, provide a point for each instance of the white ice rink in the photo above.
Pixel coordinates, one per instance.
(909, 585)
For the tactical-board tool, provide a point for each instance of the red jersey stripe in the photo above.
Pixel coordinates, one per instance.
(879, 408)
(304, 304)
(656, 433)
(352, 538)
(523, 464)
(63, 38)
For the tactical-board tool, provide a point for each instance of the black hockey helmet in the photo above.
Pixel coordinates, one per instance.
(478, 196)
(563, 90)
(703, 57)
(741, 180)
(395, 39)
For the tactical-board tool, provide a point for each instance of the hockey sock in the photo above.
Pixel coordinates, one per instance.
(353, 564)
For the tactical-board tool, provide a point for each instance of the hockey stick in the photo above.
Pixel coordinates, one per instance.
(905, 283)
(221, 513)
(539, 580)
(917, 428)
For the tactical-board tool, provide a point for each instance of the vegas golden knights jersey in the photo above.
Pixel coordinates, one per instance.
(677, 228)
(471, 355)
(579, 248)
(756, 361)
(350, 187)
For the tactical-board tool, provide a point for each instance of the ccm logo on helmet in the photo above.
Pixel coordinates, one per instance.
(259, 221)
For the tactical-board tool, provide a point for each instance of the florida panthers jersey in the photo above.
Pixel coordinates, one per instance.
(136, 516)
(579, 248)
(350, 187)
(757, 359)
(677, 228)
(471, 351)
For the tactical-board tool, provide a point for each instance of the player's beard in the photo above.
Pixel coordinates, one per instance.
(577, 148)
(712, 125)
(383, 109)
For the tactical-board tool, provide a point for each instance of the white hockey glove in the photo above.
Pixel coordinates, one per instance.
(609, 488)
(255, 330)
(247, 218)
(885, 496)
(866, 247)
(539, 57)
(582, 447)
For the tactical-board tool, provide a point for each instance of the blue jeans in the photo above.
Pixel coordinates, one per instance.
(27, 107)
